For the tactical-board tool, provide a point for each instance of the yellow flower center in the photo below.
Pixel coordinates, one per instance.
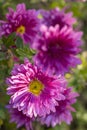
(21, 30)
(40, 16)
(35, 87)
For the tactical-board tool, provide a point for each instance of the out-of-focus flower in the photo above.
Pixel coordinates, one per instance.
(19, 118)
(56, 16)
(33, 92)
(57, 49)
(63, 110)
(24, 22)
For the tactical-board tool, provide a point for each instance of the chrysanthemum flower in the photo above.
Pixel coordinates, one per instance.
(34, 92)
(19, 118)
(63, 110)
(24, 22)
(57, 49)
(56, 16)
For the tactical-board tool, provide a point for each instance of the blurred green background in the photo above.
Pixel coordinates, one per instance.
(78, 77)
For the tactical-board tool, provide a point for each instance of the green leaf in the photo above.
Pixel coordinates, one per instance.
(8, 41)
(25, 52)
(19, 42)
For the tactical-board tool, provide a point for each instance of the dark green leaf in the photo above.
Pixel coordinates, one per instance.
(19, 42)
(9, 41)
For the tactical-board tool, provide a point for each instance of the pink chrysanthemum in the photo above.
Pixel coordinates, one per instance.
(56, 16)
(57, 49)
(33, 92)
(19, 118)
(24, 22)
(63, 110)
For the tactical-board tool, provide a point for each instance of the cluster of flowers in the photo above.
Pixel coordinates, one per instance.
(39, 91)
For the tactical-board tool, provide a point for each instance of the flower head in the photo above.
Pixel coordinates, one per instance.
(56, 16)
(24, 22)
(63, 110)
(33, 92)
(57, 49)
(19, 118)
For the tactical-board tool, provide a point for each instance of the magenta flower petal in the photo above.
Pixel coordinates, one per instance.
(24, 22)
(63, 110)
(57, 49)
(33, 92)
(19, 118)
(56, 16)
